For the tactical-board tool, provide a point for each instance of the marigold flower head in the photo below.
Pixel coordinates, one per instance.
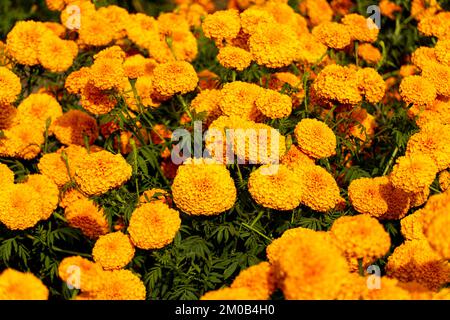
(178, 77)
(234, 58)
(107, 73)
(277, 81)
(113, 251)
(274, 45)
(6, 175)
(84, 214)
(434, 73)
(8, 116)
(415, 261)
(69, 196)
(22, 141)
(388, 8)
(423, 56)
(311, 50)
(203, 187)
(318, 11)
(315, 138)
(10, 86)
(296, 158)
(338, 83)
(444, 180)
(39, 108)
(432, 140)
(155, 195)
(77, 80)
(360, 237)
(420, 197)
(253, 18)
(423, 8)
(390, 290)
(413, 173)
(361, 28)
(95, 30)
(75, 127)
(230, 294)
(117, 17)
(369, 53)
(412, 225)
(96, 101)
(259, 279)
(408, 70)
(48, 192)
(239, 98)
(121, 285)
(417, 90)
(55, 54)
(352, 288)
(145, 90)
(321, 190)
(15, 285)
(275, 187)
(207, 103)
(153, 225)
(371, 84)
(99, 172)
(435, 25)
(438, 112)
(137, 66)
(222, 25)
(332, 34)
(273, 104)
(81, 273)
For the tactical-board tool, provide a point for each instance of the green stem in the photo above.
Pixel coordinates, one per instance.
(257, 218)
(257, 231)
(390, 161)
(71, 252)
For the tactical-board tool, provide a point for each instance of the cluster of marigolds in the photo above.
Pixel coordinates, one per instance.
(142, 62)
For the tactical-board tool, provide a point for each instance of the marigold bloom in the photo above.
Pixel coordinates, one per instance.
(296, 158)
(203, 187)
(107, 73)
(81, 273)
(412, 226)
(15, 285)
(77, 80)
(435, 25)
(84, 214)
(321, 190)
(22, 141)
(258, 278)
(389, 290)
(95, 30)
(117, 17)
(20, 206)
(10, 86)
(55, 54)
(239, 99)
(254, 17)
(275, 187)
(388, 8)
(444, 180)
(333, 35)
(315, 138)
(408, 70)
(75, 127)
(318, 11)
(121, 285)
(413, 173)
(155, 195)
(417, 90)
(99, 172)
(361, 28)
(48, 192)
(113, 250)
(69, 196)
(207, 103)
(434, 73)
(438, 112)
(311, 50)
(230, 294)
(420, 197)
(415, 261)
(234, 58)
(423, 8)
(338, 83)
(369, 53)
(145, 90)
(137, 66)
(273, 104)
(423, 56)
(39, 108)
(96, 101)
(8, 116)
(6, 175)
(371, 84)
(360, 237)
(153, 225)
(222, 25)
(178, 77)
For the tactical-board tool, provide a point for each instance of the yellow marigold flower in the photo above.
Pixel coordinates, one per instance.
(23, 40)
(222, 25)
(369, 53)
(338, 83)
(371, 84)
(121, 285)
(69, 196)
(408, 70)
(107, 73)
(81, 273)
(39, 108)
(423, 8)
(352, 288)
(413, 173)
(361, 28)
(436, 227)
(113, 251)
(273, 104)
(311, 268)
(96, 101)
(435, 25)
(318, 11)
(441, 50)
(55, 5)
(203, 187)
(142, 29)
(234, 58)
(117, 17)
(274, 45)
(254, 17)
(434, 73)
(59, 30)
(363, 124)
(230, 294)
(388, 8)
(55, 54)
(155, 195)
(239, 98)
(75, 127)
(412, 226)
(183, 45)
(321, 190)
(48, 192)
(420, 197)
(259, 279)
(137, 66)
(8, 116)
(315, 138)
(145, 90)
(415, 261)
(20, 206)
(275, 187)
(193, 13)
(207, 103)
(360, 237)
(178, 77)
(423, 56)
(444, 180)
(278, 80)
(15, 285)
(77, 80)
(432, 140)
(389, 290)
(6, 175)
(113, 52)
(99, 172)
(438, 112)
(285, 15)
(84, 214)
(153, 225)
(22, 141)
(332, 34)
(417, 90)
(311, 51)
(95, 30)
(10, 86)
(296, 158)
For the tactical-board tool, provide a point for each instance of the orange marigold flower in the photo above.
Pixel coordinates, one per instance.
(84, 214)
(423, 56)
(38, 108)
(234, 58)
(417, 90)
(369, 53)
(361, 28)
(22, 141)
(239, 98)
(412, 225)
(444, 180)
(8, 116)
(423, 8)
(435, 25)
(15, 285)
(408, 70)
(81, 273)
(107, 73)
(96, 101)
(388, 8)
(117, 17)
(315, 138)
(153, 225)
(259, 279)
(48, 192)
(254, 17)
(10, 86)
(95, 30)
(6, 175)
(332, 34)
(113, 251)
(155, 195)
(222, 25)
(121, 285)
(69, 196)
(296, 158)
(77, 80)
(55, 54)
(389, 290)
(311, 50)
(434, 73)
(206, 103)
(371, 84)
(273, 104)
(420, 197)
(75, 127)
(318, 11)
(178, 77)
(137, 66)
